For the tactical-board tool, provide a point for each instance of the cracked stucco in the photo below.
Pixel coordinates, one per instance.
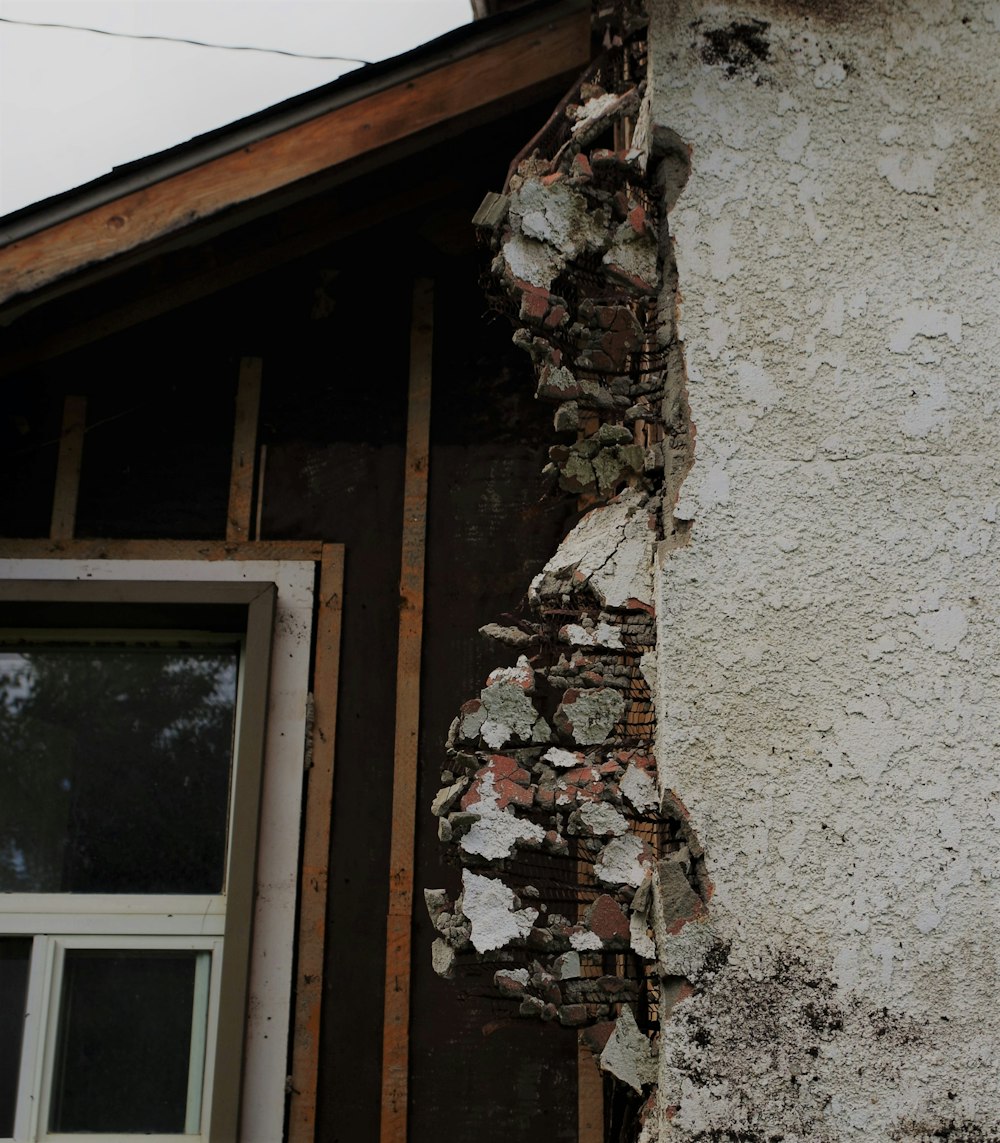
(830, 638)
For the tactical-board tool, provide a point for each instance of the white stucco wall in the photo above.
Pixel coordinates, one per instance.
(830, 636)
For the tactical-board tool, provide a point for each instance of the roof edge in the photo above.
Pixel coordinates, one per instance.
(453, 46)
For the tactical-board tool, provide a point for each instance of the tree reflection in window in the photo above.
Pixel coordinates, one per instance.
(115, 765)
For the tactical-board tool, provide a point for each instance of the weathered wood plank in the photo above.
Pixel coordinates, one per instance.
(241, 480)
(396, 1023)
(589, 1097)
(316, 851)
(159, 550)
(461, 86)
(67, 487)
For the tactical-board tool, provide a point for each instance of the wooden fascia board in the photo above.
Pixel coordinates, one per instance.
(276, 161)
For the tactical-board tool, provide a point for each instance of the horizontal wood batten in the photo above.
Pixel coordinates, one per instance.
(159, 550)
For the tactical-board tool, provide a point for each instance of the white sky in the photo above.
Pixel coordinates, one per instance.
(74, 104)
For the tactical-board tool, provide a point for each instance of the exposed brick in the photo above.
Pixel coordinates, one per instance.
(573, 1015)
(606, 919)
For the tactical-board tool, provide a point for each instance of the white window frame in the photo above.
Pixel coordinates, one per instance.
(256, 1093)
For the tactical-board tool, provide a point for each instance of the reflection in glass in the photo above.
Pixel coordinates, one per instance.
(130, 1048)
(15, 956)
(114, 767)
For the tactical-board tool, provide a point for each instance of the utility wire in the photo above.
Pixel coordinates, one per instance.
(182, 40)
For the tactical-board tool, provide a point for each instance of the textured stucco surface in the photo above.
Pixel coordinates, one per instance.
(828, 659)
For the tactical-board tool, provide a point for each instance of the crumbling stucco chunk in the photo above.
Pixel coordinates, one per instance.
(504, 712)
(628, 1055)
(622, 862)
(498, 832)
(590, 716)
(489, 906)
(442, 958)
(558, 216)
(603, 820)
(610, 551)
(638, 786)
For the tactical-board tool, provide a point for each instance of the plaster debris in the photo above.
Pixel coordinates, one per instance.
(567, 759)
(489, 906)
(604, 635)
(589, 716)
(581, 254)
(505, 712)
(442, 958)
(603, 820)
(622, 861)
(583, 942)
(629, 1056)
(611, 550)
(497, 832)
(638, 786)
(642, 943)
(567, 966)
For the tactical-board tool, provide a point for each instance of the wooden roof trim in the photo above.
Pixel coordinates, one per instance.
(424, 101)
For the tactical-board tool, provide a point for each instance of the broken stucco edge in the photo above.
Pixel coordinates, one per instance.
(555, 755)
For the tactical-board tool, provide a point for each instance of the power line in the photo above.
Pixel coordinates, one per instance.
(182, 40)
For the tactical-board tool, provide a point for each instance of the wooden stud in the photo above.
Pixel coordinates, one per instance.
(589, 1097)
(67, 487)
(396, 1023)
(316, 851)
(261, 477)
(241, 480)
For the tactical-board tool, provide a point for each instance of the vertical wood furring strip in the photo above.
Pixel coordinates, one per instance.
(241, 478)
(67, 485)
(589, 1096)
(261, 477)
(316, 851)
(396, 1023)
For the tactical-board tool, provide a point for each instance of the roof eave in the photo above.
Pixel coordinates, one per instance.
(338, 124)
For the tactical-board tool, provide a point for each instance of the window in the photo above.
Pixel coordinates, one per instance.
(134, 732)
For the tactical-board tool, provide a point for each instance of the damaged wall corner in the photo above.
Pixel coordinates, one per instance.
(550, 800)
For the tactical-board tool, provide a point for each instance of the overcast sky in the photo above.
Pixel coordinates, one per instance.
(75, 104)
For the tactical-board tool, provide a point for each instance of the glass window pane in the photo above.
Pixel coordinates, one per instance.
(127, 1024)
(15, 957)
(114, 767)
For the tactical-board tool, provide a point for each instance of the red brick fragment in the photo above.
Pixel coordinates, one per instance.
(510, 792)
(606, 919)
(637, 220)
(501, 766)
(580, 776)
(573, 1015)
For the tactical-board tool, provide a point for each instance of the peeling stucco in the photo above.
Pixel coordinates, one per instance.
(827, 634)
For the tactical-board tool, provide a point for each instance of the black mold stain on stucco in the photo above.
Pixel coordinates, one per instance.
(737, 48)
(947, 1131)
(781, 1018)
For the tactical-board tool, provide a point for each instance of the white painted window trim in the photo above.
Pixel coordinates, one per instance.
(263, 1093)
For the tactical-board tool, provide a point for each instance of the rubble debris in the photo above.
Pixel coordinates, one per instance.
(550, 801)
